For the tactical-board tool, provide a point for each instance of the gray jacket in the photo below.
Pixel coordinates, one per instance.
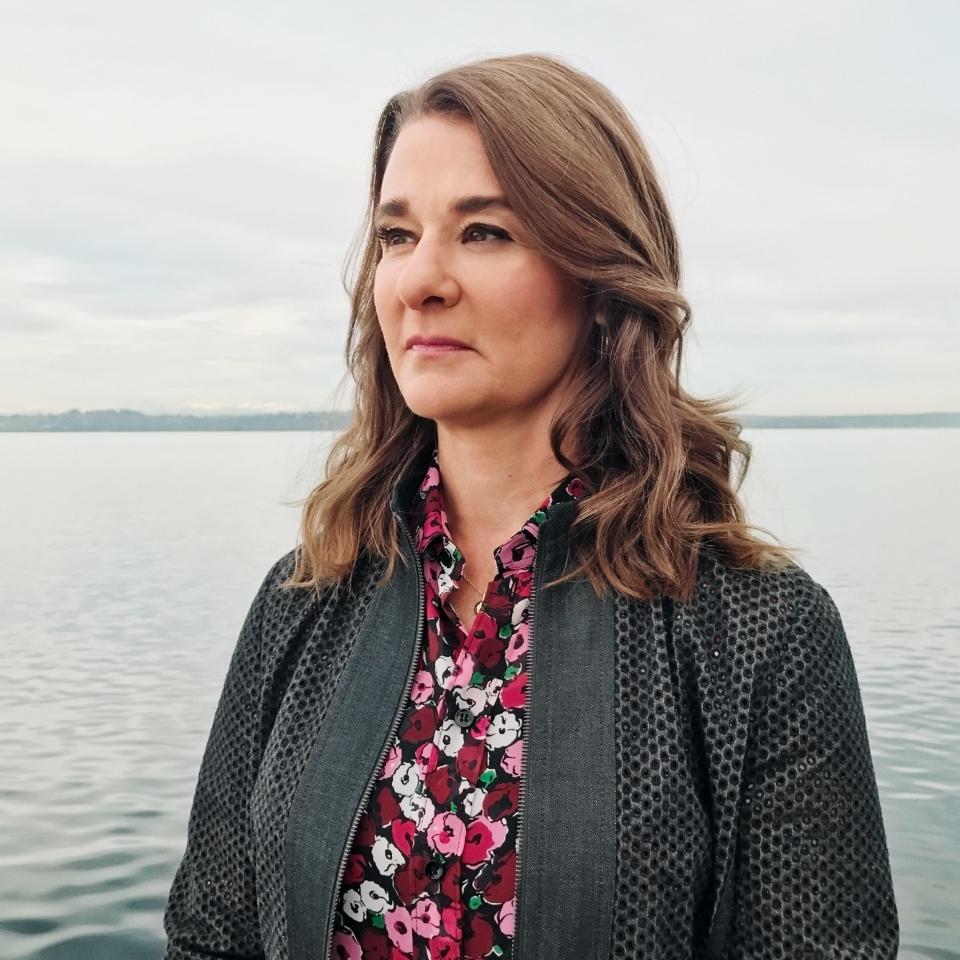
(697, 779)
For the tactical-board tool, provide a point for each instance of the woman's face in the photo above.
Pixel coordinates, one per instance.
(470, 274)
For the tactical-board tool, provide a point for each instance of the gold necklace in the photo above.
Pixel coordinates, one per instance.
(478, 606)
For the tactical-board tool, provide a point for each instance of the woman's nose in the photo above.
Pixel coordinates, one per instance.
(424, 276)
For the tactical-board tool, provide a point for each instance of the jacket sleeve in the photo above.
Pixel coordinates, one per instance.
(812, 875)
(211, 910)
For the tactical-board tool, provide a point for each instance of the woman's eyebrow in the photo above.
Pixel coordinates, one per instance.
(399, 207)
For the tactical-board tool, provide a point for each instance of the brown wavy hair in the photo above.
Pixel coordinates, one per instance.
(657, 461)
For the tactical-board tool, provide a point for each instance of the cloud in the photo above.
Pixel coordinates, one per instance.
(183, 185)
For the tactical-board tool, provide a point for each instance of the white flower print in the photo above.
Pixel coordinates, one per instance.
(472, 698)
(503, 730)
(472, 801)
(417, 808)
(387, 856)
(406, 779)
(520, 610)
(449, 738)
(352, 904)
(375, 898)
(492, 689)
(444, 581)
(442, 669)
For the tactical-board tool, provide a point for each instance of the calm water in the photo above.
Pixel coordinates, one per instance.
(128, 561)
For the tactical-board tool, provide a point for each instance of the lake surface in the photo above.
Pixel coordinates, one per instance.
(128, 562)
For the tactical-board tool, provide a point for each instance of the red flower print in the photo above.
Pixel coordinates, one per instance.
(427, 755)
(402, 832)
(385, 807)
(344, 947)
(443, 948)
(478, 842)
(471, 761)
(421, 725)
(366, 829)
(441, 784)
(485, 626)
(501, 604)
(513, 693)
(354, 872)
(496, 880)
(410, 880)
(501, 800)
(477, 936)
(453, 919)
(374, 944)
(490, 651)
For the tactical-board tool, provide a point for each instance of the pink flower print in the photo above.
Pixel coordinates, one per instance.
(393, 760)
(444, 948)
(425, 918)
(422, 689)
(462, 672)
(512, 758)
(446, 834)
(483, 837)
(517, 554)
(505, 917)
(427, 755)
(398, 926)
(518, 644)
(345, 947)
(453, 919)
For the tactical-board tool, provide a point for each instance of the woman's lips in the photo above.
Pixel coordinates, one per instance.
(436, 348)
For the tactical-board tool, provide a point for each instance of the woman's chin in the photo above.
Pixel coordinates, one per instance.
(444, 405)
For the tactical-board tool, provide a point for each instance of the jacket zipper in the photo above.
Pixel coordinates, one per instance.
(335, 900)
(537, 576)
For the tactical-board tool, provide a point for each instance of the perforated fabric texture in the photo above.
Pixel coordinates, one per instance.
(756, 706)
(226, 898)
(748, 819)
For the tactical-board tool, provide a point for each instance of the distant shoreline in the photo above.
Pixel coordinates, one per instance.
(133, 421)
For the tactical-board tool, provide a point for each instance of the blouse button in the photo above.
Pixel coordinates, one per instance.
(434, 869)
(463, 717)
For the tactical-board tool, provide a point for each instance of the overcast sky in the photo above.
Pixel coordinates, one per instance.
(179, 184)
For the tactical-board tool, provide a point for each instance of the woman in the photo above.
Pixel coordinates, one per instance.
(587, 714)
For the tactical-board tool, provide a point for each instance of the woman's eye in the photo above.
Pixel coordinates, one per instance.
(495, 232)
(475, 231)
(386, 234)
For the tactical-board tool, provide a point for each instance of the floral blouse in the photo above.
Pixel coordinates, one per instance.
(432, 870)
